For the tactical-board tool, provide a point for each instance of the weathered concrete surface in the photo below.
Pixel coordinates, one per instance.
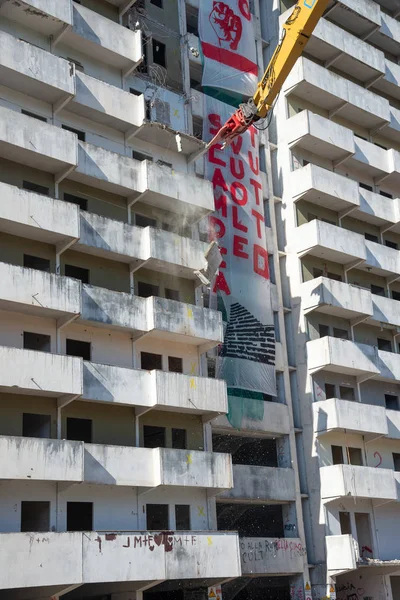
(342, 356)
(118, 309)
(39, 291)
(40, 459)
(271, 556)
(335, 298)
(190, 393)
(40, 372)
(56, 11)
(336, 415)
(340, 553)
(336, 243)
(382, 258)
(210, 470)
(393, 420)
(35, 216)
(275, 421)
(361, 482)
(253, 483)
(385, 310)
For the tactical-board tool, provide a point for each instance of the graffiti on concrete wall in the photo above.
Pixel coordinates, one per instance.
(168, 539)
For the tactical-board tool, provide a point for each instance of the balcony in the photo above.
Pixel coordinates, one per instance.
(150, 183)
(393, 422)
(261, 484)
(102, 39)
(30, 142)
(324, 188)
(354, 417)
(369, 160)
(386, 310)
(46, 16)
(388, 364)
(154, 389)
(312, 133)
(393, 179)
(381, 260)
(154, 467)
(335, 298)
(390, 84)
(340, 481)
(275, 421)
(329, 242)
(37, 217)
(34, 71)
(35, 459)
(272, 556)
(39, 373)
(337, 95)
(38, 293)
(358, 16)
(388, 35)
(342, 356)
(160, 318)
(379, 211)
(341, 553)
(114, 240)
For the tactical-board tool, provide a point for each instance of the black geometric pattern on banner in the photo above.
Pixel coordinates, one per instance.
(247, 338)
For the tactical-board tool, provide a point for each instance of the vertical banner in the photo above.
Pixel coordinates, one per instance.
(228, 47)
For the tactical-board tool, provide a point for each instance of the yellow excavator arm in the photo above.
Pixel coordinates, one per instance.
(297, 30)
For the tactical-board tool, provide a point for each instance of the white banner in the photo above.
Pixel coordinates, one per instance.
(228, 46)
(247, 357)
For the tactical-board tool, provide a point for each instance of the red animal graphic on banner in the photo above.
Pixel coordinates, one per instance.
(226, 24)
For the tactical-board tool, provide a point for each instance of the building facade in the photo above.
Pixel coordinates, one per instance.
(335, 158)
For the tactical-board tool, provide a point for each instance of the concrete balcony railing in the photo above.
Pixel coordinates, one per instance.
(393, 421)
(36, 459)
(105, 40)
(369, 159)
(342, 356)
(39, 293)
(107, 104)
(152, 467)
(30, 142)
(91, 557)
(390, 84)
(154, 389)
(340, 481)
(388, 35)
(271, 556)
(122, 242)
(341, 553)
(377, 210)
(159, 317)
(393, 179)
(42, 373)
(335, 298)
(324, 188)
(34, 71)
(275, 421)
(37, 217)
(261, 484)
(362, 14)
(382, 260)
(318, 135)
(45, 16)
(151, 183)
(329, 242)
(342, 415)
(332, 92)
(388, 364)
(386, 310)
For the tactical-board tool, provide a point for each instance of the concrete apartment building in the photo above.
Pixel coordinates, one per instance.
(112, 424)
(335, 155)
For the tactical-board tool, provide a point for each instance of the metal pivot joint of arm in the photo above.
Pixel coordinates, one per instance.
(297, 30)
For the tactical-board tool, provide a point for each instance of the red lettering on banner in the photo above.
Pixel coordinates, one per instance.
(219, 181)
(257, 188)
(214, 159)
(253, 135)
(235, 220)
(215, 121)
(238, 171)
(238, 246)
(236, 185)
(221, 204)
(260, 261)
(256, 168)
(245, 9)
(217, 228)
(221, 284)
(237, 145)
(224, 252)
(260, 219)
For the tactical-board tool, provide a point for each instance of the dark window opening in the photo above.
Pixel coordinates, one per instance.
(143, 66)
(158, 3)
(391, 402)
(340, 333)
(337, 455)
(35, 262)
(347, 393)
(395, 295)
(172, 294)
(378, 290)
(81, 134)
(35, 187)
(145, 290)
(371, 238)
(385, 345)
(182, 517)
(211, 368)
(154, 437)
(81, 202)
(251, 520)
(135, 92)
(79, 348)
(79, 516)
(37, 341)
(198, 127)
(390, 244)
(323, 330)
(321, 273)
(179, 439)
(140, 156)
(386, 194)
(78, 65)
(28, 113)
(345, 525)
(355, 456)
(77, 272)
(175, 364)
(143, 221)
(38, 426)
(261, 452)
(157, 517)
(80, 430)
(159, 51)
(396, 461)
(271, 267)
(35, 516)
(150, 361)
(365, 186)
(330, 391)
